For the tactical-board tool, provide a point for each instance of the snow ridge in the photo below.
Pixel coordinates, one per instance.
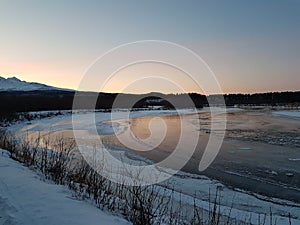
(15, 84)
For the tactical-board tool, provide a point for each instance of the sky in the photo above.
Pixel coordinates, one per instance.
(251, 46)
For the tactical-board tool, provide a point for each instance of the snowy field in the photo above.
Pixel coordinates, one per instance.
(295, 114)
(41, 198)
(26, 199)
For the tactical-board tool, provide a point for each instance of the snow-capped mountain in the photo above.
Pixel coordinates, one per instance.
(15, 84)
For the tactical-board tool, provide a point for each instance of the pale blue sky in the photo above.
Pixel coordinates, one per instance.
(252, 46)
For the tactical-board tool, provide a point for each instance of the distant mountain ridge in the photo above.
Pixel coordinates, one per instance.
(22, 96)
(15, 84)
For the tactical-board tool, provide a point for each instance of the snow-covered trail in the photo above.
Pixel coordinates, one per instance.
(27, 200)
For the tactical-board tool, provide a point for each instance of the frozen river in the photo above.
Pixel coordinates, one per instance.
(257, 166)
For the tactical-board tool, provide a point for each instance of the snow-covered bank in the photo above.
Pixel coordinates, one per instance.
(82, 117)
(295, 114)
(27, 200)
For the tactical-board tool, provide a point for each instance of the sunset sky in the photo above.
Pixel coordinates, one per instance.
(252, 46)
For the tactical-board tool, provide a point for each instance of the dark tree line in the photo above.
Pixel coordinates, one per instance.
(271, 98)
(63, 100)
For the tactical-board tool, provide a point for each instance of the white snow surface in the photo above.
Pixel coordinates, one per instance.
(25, 199)
(289, 113)
(14, 84)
